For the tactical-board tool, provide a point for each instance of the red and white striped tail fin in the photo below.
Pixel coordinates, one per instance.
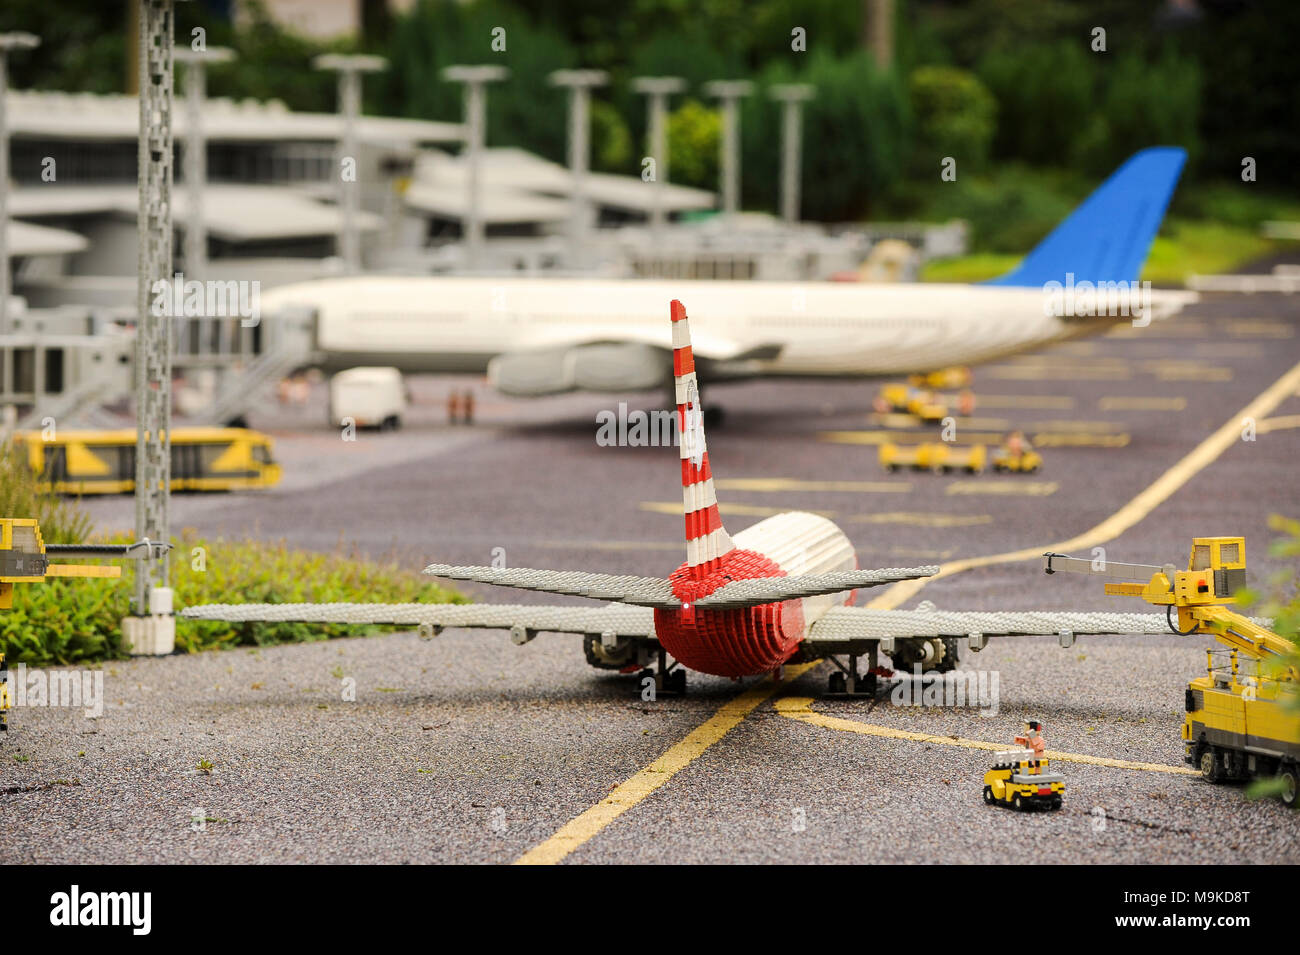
(706, 539)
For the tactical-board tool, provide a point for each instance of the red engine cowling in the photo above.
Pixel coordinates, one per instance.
(732, 643)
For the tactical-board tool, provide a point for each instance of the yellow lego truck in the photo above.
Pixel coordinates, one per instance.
(1027, 462)
(1021, 780)
(904, 399)
(1243, 716)
(933, 456)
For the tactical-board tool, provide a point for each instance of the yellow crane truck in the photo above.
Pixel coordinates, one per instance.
(1243, 716)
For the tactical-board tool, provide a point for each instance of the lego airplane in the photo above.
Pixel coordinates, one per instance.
(542, 336)
(778, 592)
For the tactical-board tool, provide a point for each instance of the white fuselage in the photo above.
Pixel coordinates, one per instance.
(742, 329)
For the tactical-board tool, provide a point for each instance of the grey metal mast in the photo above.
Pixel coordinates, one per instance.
(8, 43)
(657, 89)
(729, 92)
(153, 339)
(475, 79)
(350, 67)
(579, 84)
(792, 97)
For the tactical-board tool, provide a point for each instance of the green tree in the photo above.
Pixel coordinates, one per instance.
(955, 115)
(694, 132)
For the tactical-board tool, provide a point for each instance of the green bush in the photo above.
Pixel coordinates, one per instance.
(855, 131)
(61, 522)
(72, 620)
(694, 132)
(955, 115)
(68, 620)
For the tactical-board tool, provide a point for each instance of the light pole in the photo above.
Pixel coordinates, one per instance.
(475, 79)
(9, 42)
(730, 92)
(657, 89)
(579, 84)
(349, 68)
(151, 628)
(792, 97)
(196, 158)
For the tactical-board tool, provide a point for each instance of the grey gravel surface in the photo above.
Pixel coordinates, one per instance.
(470, 749)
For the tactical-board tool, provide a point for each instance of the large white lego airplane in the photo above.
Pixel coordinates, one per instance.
(540, 336)
(779, 591)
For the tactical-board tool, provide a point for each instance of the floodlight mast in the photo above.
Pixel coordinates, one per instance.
(349, 68)
(475, 79)
(730, 92)
(657, 89)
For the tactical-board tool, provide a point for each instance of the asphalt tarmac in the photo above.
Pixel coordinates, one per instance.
(470, 749)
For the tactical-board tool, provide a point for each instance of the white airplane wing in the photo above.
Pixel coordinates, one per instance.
(843, 628)
(616, 619)
(658, 593)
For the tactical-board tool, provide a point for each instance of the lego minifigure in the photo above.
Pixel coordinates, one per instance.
(1032, 738)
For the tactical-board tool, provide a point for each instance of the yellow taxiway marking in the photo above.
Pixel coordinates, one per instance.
(1140, 403)
(800, 708)
(1045, 439)
(1245, 328)
(1280, 423)
(1059, 373)
(1042, 402)
(1103, 427)
(1155, 494)
(1180, 329)
(790, 484)
(742, 510)
(631, 792)
(1025, 488)
(908, 437)
(923, 519)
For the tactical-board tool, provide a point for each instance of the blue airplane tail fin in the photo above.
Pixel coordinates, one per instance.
(1107, 238)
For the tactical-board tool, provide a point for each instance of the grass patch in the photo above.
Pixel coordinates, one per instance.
(78, 620)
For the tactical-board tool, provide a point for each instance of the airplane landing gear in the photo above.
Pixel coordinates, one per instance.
(848, 682)
(668, 681)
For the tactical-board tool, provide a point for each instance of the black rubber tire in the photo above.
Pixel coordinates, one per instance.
(1290, 776)
(1211, 765)
(1019, 803)
(1056, 803)
(989, 798)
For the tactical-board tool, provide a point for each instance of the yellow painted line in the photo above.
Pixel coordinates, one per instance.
(923, 519)
(1104, 427)
(1141, 403)
(1155, 494)
(1179, 329)
(1042, 402)
(631, 792)
(1047, 439)
(1244, 328)
(742, 510)
(908, 437)
(1054, 373)
(1180, 373)
(1280, 423)
(791, 484)
(1023, 488)
(800, 708)
(1221, 350)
